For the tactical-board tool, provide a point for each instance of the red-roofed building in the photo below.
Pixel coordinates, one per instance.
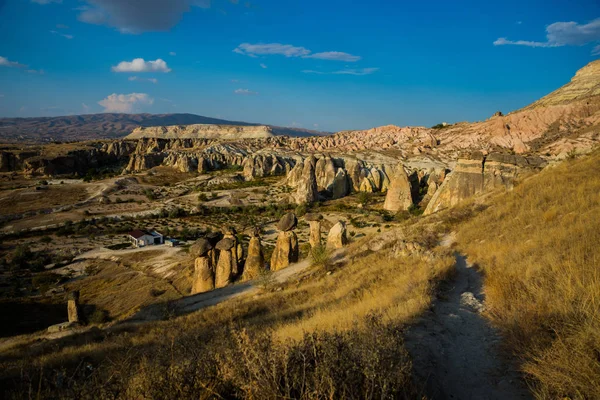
(141, 238)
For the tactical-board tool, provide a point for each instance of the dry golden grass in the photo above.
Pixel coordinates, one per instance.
(397, 288)
(121, 291)
(539, 247)
(23, 200)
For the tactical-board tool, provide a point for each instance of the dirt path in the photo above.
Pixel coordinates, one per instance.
(454, 349)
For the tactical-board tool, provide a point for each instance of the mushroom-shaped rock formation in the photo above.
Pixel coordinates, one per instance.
(287, 222)
(213, 238)
(237, 252)
(337, 236)
(286, 250)
(225, 264)
(314, 221)
(204, 277)
(398, 196)
(255, 261)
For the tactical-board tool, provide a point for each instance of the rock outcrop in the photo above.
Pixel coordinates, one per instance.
(237, 252)
(475, 173)
(195, 131)
(307, 191)
(286, 247)
(314, 222)
(226, 262)
(341, 185)
(336, 239)
(325, 173)
(398, 196)
(255, 261)
(204, 276)
(73, 307)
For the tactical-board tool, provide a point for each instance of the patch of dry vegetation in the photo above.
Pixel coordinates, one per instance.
(121, 291)
(539, 247)
(23, 200)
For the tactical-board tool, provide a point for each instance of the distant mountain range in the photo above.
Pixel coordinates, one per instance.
(111, 126)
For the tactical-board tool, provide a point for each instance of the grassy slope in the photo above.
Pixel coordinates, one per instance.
(539, 247)
(324, 335)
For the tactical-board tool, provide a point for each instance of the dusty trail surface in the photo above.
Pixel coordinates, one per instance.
(455, 350)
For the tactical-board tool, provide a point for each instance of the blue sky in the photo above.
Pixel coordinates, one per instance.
(327, 65)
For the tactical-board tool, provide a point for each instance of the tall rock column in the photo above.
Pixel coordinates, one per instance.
(336, 239)
(286, 248)
(307, 191)
(204, 276)
(255, 261)
(314, 221)
(213, 238)
(73, 306)
(223, 273)
(399, 195)
(237, 253)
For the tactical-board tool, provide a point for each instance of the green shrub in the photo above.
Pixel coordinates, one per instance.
(98, 317)
(202, 197)
(320, 256)
(363, 198)
(44, 281)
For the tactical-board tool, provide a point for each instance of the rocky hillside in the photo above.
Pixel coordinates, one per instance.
(566, 120)
(109, 126)
(196, 131)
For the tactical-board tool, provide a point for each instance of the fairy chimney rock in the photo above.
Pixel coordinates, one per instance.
(314, 221)
(204, 277)
(73, 306)
(337, 236)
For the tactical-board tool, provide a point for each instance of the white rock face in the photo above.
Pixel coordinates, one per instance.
(207, 131)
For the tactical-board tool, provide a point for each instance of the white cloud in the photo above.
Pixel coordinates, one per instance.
(139, 65)
(312, 71)
(287, 50)
(261, 49)
(504, 41)
(172, 53)
(244, 92)
(5, 62)
(351, 71)
(62, 34)
(562, 34)
(46, 1)
(263, 66)
(358, 71)
(334, 56)
(125, 103)
(136, 78)
(86, 108)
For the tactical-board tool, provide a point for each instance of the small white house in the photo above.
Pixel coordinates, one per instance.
(141, 238)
